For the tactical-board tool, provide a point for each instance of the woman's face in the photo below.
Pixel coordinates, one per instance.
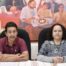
(57, 32)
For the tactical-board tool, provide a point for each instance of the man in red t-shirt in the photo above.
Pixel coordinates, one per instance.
(12, 48)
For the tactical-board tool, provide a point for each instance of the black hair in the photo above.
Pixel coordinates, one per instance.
(63, 29)
(10, 24)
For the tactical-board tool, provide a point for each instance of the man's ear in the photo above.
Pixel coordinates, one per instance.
(6, 33)
(17, 31)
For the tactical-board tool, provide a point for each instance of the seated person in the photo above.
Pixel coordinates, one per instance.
(60, 16)
(54, 50)
(28, 12)
(14, 11)
(53, 5)
(44, 11)
(12, 48)
(28, 18)
(44, 14)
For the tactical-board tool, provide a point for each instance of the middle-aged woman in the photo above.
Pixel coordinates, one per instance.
(54, 50)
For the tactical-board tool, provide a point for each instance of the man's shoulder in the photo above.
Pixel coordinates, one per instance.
(20, 39)
(3, 39)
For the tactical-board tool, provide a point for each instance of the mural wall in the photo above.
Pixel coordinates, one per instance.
(33, 15)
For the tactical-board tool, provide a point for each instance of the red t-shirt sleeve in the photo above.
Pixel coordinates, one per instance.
(1, 43)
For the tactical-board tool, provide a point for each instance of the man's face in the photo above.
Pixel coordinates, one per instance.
(32, 4)
(11, 33)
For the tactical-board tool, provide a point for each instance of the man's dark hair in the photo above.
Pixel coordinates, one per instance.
(63, 29)
(10, 24)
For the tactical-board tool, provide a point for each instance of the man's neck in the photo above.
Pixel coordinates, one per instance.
(10, 43)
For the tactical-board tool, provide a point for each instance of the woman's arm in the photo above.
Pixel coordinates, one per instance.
(42, 55)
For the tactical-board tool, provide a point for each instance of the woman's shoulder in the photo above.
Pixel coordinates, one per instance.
(47, 42)
(64, 41)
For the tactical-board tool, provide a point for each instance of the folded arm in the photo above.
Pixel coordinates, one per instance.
(14, 57)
